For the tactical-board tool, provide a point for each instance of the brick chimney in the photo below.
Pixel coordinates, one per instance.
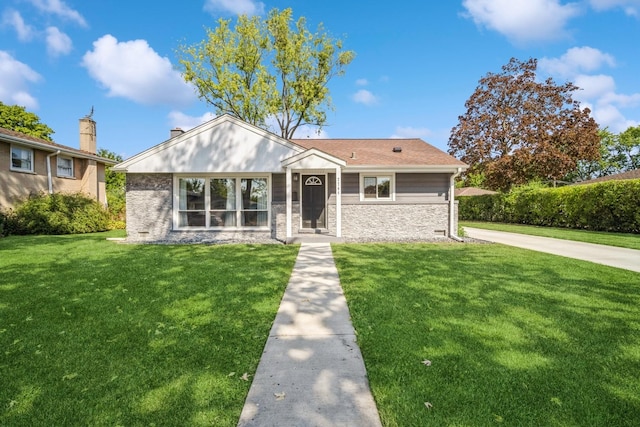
(88, 135)
(175, 132)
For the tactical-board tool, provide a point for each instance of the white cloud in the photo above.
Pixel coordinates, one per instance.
(411, 132)
(59, 8)
(12, 18)
(365, 97)
(15, 77)
(178, 119)
(597, 91)
(58, 43)
(576, 60)
(236, 7)
(523, 20)
(135, 71)
(593, 87)
(362, 82)
(630, 7)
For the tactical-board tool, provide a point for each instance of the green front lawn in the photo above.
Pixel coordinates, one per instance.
(513, 337)
(623, 240)
(98, 333)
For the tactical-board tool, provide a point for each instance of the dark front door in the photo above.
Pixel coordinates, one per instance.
(313, 201)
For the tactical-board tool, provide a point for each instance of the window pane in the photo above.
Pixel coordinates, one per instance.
(370, 187)
(223, 193)
(254, 218)
(192, 219)
(21, 159)
(384, 187)
(254, 193)
(65, 166)
(191, 194)
(223, 219)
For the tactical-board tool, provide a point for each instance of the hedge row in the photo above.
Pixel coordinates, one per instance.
(56, 213)
(605, 206)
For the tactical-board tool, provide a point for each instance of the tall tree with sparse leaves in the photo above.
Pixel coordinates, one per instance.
(17, 118)
(517, 129)
(266, 68)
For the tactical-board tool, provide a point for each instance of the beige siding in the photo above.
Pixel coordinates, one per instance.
(15, 185)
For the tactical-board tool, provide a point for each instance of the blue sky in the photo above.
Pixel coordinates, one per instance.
(416, 64)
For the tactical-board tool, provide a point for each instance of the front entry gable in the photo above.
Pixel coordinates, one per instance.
(222, 145)
(313, 159)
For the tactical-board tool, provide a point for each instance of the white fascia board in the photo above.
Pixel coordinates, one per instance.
(313, 159)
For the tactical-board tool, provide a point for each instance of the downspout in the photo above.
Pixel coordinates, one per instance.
(49, 156)
(453, 234)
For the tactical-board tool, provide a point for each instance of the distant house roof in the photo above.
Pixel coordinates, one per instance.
(8, 135)
(383, 152)
(634, 174)
(472, 191)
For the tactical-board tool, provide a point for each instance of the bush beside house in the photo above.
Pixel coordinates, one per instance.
(57, 213)
(606, 206)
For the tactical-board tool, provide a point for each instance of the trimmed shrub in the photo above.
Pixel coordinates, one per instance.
(604, 206)
(57, 213)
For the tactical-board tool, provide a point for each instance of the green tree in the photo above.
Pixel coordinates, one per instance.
(266, 68)
(518, 129)
(115, 183)
(17, 118)
(618, 153)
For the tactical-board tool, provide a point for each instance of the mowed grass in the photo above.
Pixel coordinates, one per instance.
(98, 333)
(623, 240)
(513, 337)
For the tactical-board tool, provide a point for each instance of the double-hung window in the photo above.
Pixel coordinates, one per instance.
(222, 202)
(65, 166)
(376, 187)
(21, 159)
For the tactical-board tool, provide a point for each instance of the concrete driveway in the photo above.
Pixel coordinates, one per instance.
(628, 259)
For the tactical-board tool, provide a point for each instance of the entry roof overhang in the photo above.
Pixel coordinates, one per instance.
(313, 159)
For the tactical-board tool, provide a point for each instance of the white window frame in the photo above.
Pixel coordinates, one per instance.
(392, 186)
(25, 149)
(207, 201)
(64, 175)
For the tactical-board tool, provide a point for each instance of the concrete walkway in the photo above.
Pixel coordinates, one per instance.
(311, 372)
(628, 259)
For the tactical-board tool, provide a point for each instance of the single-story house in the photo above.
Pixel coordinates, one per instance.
(632, 174)
(227, 180)
(30, 165)
(472, 191)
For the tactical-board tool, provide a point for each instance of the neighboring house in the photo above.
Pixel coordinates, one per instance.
(472, 191)
(30, 165)
(229, 180)
(633, 174)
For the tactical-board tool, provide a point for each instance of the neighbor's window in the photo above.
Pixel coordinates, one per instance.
(191, 210)
(21, 159)
(65, 166)
(223, 202)
(377, 187)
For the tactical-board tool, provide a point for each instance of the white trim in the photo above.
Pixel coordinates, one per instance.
(23, 148)
(378, 174)
(207, 200)
(310, 153)
(72, 174)
(338, 202)
(403, 169)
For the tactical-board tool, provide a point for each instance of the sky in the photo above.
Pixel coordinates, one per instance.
(416, 63)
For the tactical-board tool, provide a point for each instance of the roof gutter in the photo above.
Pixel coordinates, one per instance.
(453, 234)
(46, 147)
(49, 178)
